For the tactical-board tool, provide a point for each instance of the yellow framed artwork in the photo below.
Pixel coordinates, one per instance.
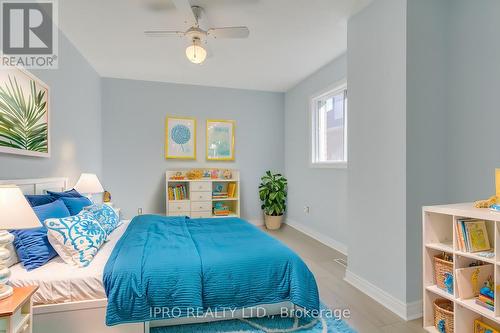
(480, 327)
(220, 140)
(180, 138)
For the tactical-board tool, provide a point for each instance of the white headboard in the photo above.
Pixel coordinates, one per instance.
(38, 185)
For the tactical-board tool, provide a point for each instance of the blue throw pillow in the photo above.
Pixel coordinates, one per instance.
(75, 205)
(106, 216)
(38, 200)
(66, 194)
(32, 245)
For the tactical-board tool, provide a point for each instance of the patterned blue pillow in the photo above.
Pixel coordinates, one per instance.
(106, 216)
(76, 238)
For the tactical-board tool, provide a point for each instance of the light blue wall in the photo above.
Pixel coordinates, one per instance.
(473, 113)
(376, 206)
(134, 115)
(452, 110)
(323, 190)
(426, 125)
(75, 122)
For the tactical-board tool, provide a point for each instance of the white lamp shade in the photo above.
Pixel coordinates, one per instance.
(15, 211)
(89, 184)
(196, 53)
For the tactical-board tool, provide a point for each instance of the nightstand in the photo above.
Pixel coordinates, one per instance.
(16, 311)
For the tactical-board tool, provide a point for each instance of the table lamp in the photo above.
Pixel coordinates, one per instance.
(15, 213)
(89, 184)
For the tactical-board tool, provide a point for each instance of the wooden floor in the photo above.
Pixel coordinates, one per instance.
(367, 316)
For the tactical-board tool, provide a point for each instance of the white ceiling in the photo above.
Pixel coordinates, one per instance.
(289, 40)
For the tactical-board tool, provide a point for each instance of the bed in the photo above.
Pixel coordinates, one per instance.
(68, 295)
(69, 284)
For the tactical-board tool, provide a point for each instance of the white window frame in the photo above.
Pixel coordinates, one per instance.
(313, 121)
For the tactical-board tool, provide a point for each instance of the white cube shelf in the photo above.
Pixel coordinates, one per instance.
(199, 201)
(438, 237)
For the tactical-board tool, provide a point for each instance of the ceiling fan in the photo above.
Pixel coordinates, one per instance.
(197, 36)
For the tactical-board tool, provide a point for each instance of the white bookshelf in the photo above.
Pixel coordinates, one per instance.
(438, 237)
(199, 202)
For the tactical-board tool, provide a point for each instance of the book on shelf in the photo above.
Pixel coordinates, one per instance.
(177, 192)
(221, 209)
(219, 195)
(481, 327)
(485, 305)
(231, 190)
(472, 235)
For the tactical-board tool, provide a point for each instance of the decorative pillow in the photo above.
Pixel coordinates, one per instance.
(38, 200)
(106, 216)
(32, 245)
(76, 238)
(75, 205)
(67, 194)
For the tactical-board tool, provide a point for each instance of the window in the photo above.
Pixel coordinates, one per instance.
(329, 128)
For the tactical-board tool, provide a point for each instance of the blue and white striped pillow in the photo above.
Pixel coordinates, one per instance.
(76, 238)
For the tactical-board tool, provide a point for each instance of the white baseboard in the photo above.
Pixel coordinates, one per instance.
(407, 311)
(326, 240)
(414, 310)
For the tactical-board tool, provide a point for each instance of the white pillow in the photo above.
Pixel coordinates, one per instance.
(14, 259)
(76, 238)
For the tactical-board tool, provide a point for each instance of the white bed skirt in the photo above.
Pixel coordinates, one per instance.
(89, 316)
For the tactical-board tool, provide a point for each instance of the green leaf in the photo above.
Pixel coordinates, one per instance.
(273, 193)
(21, 117)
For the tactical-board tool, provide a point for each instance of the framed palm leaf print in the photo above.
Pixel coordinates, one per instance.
(24, 114)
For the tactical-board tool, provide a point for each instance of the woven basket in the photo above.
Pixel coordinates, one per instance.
(443, 315)
(441, 267)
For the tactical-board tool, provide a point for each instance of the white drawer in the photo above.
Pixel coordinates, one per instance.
(181, 206)
(201, 196)
(179, 214)
(201, 214)
(200, 206)
(201, 186)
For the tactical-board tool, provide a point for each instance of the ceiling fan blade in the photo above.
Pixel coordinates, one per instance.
(209, 50)
(184, 6)
(163, 33)
(229, 32)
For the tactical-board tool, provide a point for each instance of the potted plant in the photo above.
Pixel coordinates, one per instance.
(272, 193)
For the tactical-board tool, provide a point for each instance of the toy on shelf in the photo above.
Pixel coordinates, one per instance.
(486, 203)
(194, 174)
(494, 199)
(178, 176)
(486, 296)
(206, 173)
(227, 174)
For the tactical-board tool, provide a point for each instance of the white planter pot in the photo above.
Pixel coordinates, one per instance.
(273, 222)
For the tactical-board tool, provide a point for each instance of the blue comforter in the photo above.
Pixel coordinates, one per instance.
(203, 264)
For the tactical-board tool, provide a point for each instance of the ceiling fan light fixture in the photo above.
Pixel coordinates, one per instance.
(195, 52)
